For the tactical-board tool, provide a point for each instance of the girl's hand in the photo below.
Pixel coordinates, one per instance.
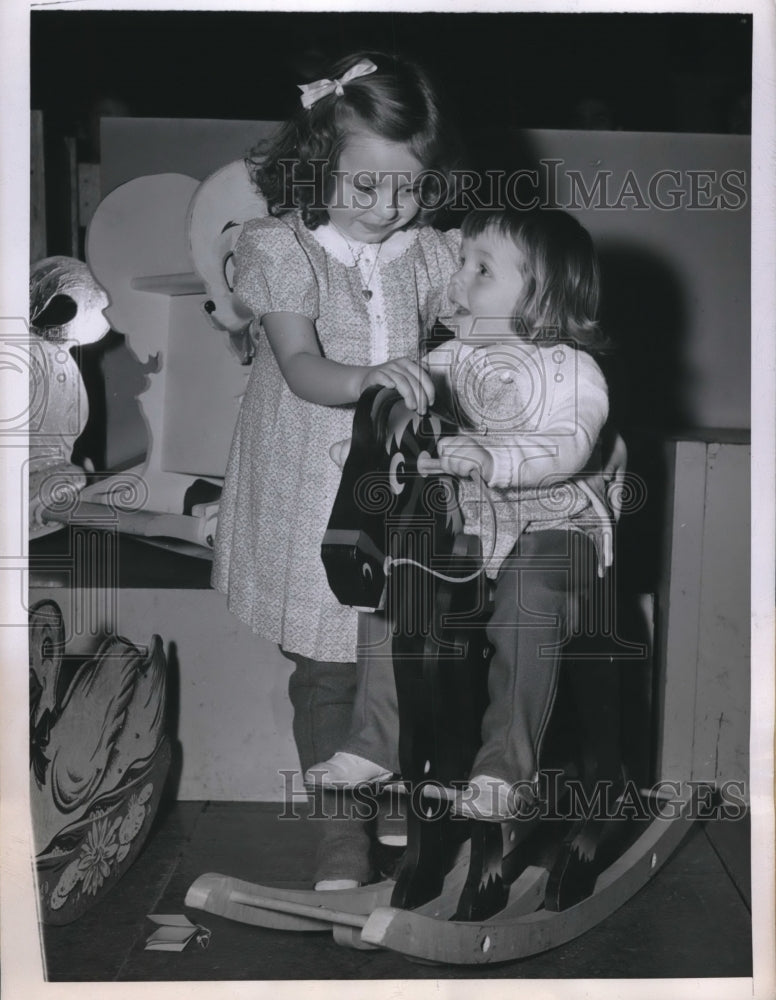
(461, 456)
(339, 452)
(408, 377)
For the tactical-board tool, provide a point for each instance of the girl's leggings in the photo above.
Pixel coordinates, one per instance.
(322, 694)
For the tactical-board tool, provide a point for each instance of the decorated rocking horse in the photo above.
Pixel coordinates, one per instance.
(467, 891)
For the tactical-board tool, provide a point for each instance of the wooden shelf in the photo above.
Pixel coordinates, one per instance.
(170, 284)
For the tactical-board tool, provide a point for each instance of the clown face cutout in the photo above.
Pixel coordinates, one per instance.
(220, 206)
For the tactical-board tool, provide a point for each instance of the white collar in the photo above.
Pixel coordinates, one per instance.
(332, 240)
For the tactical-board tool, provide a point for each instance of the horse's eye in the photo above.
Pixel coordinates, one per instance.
(396, 467)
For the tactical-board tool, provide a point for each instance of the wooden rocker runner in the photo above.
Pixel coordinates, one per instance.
(467, 891)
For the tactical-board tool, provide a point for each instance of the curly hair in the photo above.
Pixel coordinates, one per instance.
(562, 282)
(293, 169)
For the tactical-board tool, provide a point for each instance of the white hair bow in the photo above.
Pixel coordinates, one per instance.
(312, 92)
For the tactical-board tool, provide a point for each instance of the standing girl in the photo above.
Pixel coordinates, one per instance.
(343, 276)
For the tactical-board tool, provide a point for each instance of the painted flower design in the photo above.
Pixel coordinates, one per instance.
(69, 878)
(133, 821)
(106, 845)
(97, 852)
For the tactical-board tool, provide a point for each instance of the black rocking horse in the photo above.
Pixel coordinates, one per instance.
(467, 891)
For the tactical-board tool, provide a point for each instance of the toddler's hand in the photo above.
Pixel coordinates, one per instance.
(339, 451)
(460, 456)
(408, 377)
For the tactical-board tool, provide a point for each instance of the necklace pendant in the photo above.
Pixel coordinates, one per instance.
(367, 293)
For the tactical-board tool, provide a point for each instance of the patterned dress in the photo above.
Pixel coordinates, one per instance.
(280, 481)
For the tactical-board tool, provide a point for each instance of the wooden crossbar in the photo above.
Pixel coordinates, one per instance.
(323, 913)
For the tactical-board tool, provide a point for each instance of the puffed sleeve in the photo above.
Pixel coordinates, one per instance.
(272, 272)
(441, 256)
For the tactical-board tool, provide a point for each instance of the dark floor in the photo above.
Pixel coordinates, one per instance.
(691, 920)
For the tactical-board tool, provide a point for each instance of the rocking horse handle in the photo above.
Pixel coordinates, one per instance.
(428, 466)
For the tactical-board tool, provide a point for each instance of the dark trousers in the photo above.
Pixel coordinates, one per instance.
(540, 593)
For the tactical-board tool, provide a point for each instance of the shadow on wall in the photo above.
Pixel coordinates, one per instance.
(125, 379)
(643, 310)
